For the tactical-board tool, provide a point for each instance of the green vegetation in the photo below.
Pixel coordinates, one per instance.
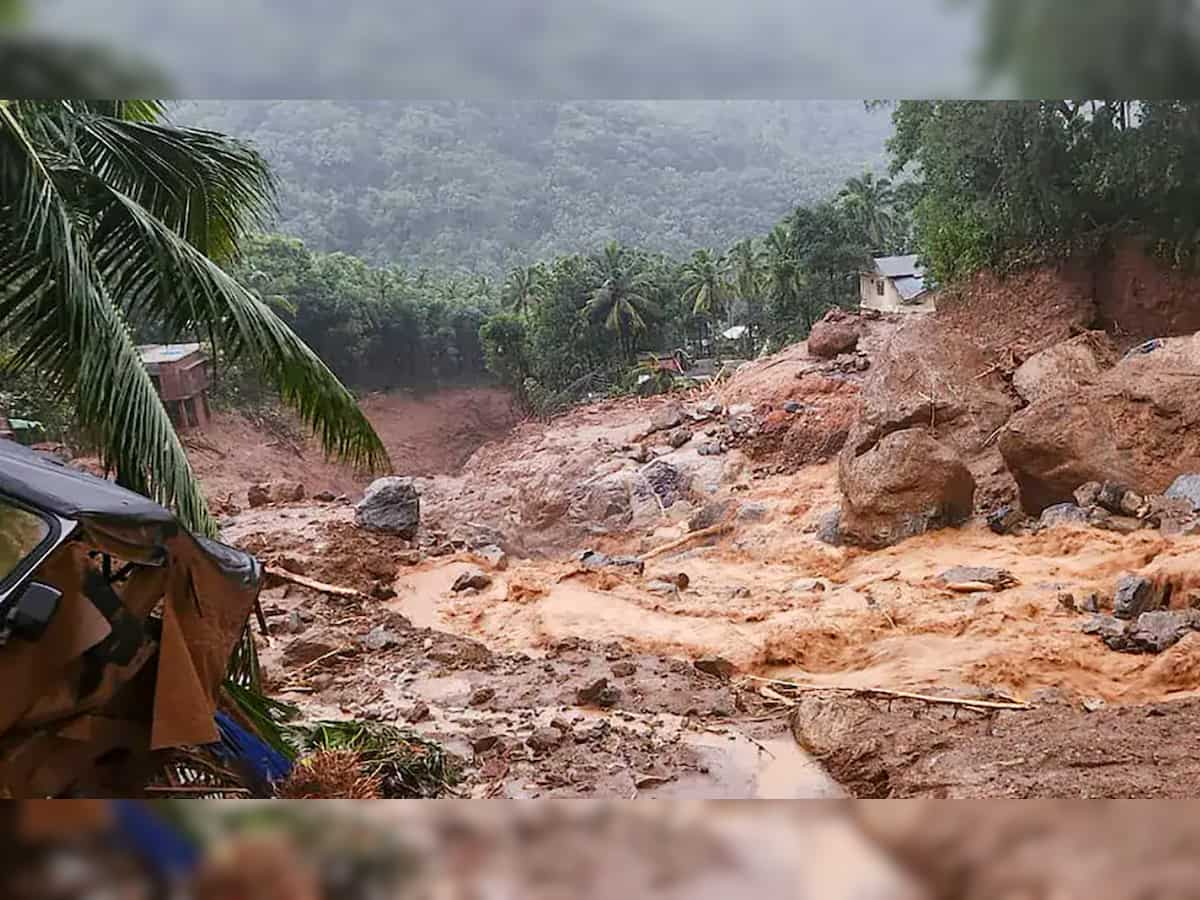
(1006, 184)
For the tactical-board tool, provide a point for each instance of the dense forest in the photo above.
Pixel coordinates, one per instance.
(479, 188)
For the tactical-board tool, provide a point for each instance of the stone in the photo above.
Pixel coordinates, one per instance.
(258, 495)
(715, 666)
(1065, 368)
(743, 426)
(471, 579)
(383, 591)
(1106, 627)
(1091, 603)
(997, 578)
(1121, 524)
(709, 408)
(292, 564)
(493, 556)
(753, 511)
(623, 669)
(287, 492)
(835, 334)
(807, 586)
(1004, 520)
(667, 482)
(829, 528)
(598, 693)
(482, 696)
(711, 514)
(1110, 497)
(418, 712)
(907, 484)
(390, 505)
(320, 682)
(409, 557)
(1066, 601)
(1063, 514)
(380, 638)
(1134, 505)
(295, 624)
(591, 559)
(710, 448)
(659, 586)
(1135, 595)
(679, 437)
(325, 497)
(483, 740)
(1088, 494)
(543, 740)
(666, 417)
(741, 409)
(1159, 630)
(792, 407)
(1186, 487)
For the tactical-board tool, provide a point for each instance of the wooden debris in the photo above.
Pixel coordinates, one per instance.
(895, 695)
(687, 540)
(312, 584)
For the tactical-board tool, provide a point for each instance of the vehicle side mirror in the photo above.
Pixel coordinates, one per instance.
(30, 614)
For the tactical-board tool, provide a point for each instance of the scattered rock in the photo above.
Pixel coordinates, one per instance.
(792, 407)
(1004, 520)
(1120, 524)
(710, 448)
(543, 740)
(1063, 514)
(598, 693)
(679, 437)
(807, 586)
(658, 586)
(391, 505)
(493, 556)
(709, 408)
(1159, 630)
(711, 514)
(482, 696)
(409, 557)
(1110, 497)
(624, 668)
(1108, 628)
(743, 426)
(325, 497)
(752, 511)
(907, 484)
(667, 482)
(835, 334)
(1093, 704)
(591, 559)
(1091, 603)
(998, 579)
(1088, 494)
(716, 666)
(739, 410)
(1186, 487)
(1066, 601)
(1135, 595)
(295, 624)
(471, 579)
(829, 529)
(293, 564)
(380, 638)
(1065, 367)
(418, 712)
(483, 740)
(667, 417)
(258, 495)
(383, 591)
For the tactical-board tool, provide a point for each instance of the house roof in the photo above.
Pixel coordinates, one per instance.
(909, 288)
(899, 266)
(157, 354)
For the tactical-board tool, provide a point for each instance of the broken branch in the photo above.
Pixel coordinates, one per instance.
(312, 584)
(896, 695)
(694, 537)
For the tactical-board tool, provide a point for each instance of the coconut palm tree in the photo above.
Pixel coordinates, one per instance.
(522, 289)
(785, 278)
(620, 300)
(745, 263)
(871, 201)
(110, 217)
(705, 288)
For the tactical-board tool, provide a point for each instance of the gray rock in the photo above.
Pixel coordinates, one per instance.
(1063, 514)
(711, 514)
(1088, 494)
(1110, 497)
(379, 638)
(667, 417)
(807, 586)
(710, 448)
(598, 693)
(472, 578)
(543, 740)
(623, 669)
(997, 578)
(493, 556)
(1106, 627)
(1004, 519)
(658, 586)
(792, 407)
(483, 739)
(668, 483)
(753, 511)
(592, 560)
(1159, 630)
(829, 530)
(743, 425)
(741, 409)
(482, 696)
(716, 667)
(1134, 596)
(325, 496)
(391, 505)
(1187, 487)
(679, 437)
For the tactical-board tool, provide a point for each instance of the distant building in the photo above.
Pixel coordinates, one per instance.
(182, 375)
(896, 284)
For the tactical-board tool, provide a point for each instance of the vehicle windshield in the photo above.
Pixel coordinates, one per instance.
(21, 532)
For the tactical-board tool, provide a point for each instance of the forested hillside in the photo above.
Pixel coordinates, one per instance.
(482, 187)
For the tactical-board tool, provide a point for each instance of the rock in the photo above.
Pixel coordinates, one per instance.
(1066, 601)
(666, 417)
(409, 557)
(1121, 524)
(835, 334)
(1110, 497)
(711, 514)
(679, 437)
(1065, 368)
(418, 712)
(807, 586)
(287, 492)
(829, 529)
(623, 669)
(996, 578)
(1063, 514)
(658, 586)
(667, 482)
(1091, 603)
(1108, 628)
(1088, 495)
(590, 559)
(1159, 630)
(1186, 487)
(1004, 520)
(716, 667)
(493, 556)
(1134, 505)
(295, 624)
(743, 426)
(325, 496)
(380, 638)
(740, 409)
(709, 408)
(483, 740)
(598, 693)
(792, 407)
(1133, 597)
(320, 682)
(710, 448)
(753, 511)
(1137, 425)
(382, 591)
(471, 579)
(391, 505)
(907, 484)
(292, 564)
(482, 696)
(258, 495)
(543, 740)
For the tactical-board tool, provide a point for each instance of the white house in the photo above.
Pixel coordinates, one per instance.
(896, 284)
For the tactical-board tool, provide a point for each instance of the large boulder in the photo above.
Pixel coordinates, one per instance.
(1138, 425)
(392, 505)
(906, 484)
(834, 335)
(1065, 368)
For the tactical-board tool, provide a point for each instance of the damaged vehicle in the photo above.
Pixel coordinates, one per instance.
(117, 626)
